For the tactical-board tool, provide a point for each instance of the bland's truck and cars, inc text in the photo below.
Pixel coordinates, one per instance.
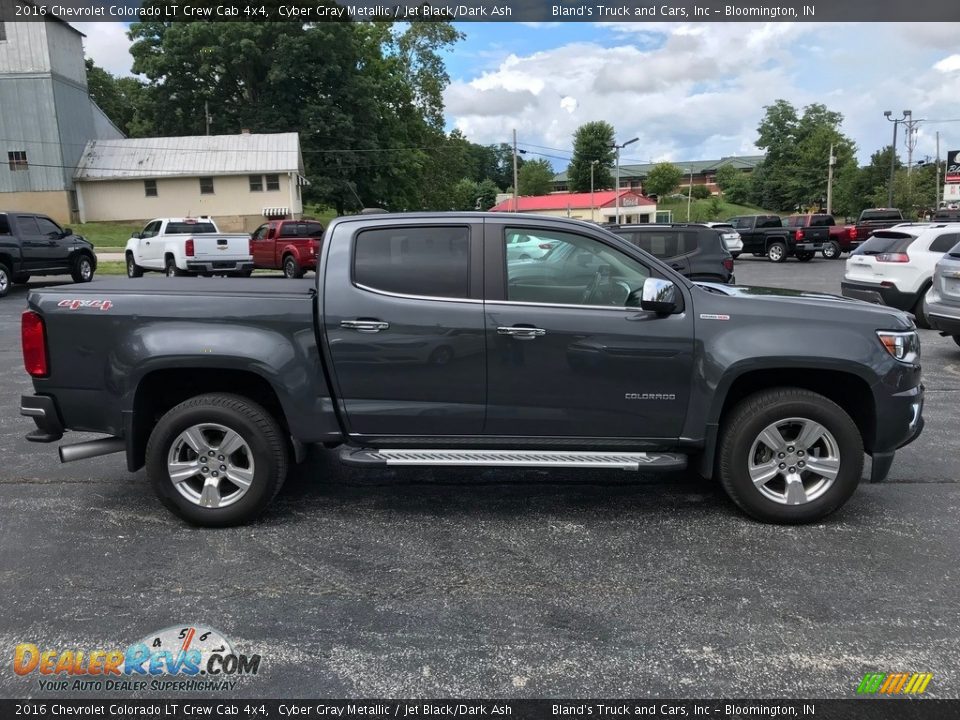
(420, 343)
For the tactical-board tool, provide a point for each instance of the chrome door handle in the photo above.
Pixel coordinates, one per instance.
(370, 326)
(522, 333)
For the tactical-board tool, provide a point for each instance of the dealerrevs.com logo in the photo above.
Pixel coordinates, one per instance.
(178, 658)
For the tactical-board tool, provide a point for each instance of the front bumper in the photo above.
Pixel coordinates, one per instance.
(879, 294)
(43, 409)
(220, 266)
(902, 409)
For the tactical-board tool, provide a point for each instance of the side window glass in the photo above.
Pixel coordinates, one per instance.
(259, 233)
(944, 243)
(576, 270)
(151, 229)
(48, 227)
(27, 225)
(426, 261)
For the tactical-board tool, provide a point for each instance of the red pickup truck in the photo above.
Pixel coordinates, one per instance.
(843, 238)
(290, 245)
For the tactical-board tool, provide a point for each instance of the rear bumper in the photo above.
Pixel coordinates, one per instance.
(43, 409)
(808, 246)
(945, 318)
(219, 266)
(879, 295)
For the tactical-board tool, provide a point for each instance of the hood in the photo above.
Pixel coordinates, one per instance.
(818, 302)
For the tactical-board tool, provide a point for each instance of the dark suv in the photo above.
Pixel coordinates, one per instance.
(696, 251)
(32, 244)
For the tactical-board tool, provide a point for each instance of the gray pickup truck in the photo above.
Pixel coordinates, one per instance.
(421, 343)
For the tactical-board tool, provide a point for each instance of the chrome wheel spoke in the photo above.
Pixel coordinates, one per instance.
(796, 494)
(210, 495)
(825, 467)
(195, 440)
(241, 477)
(764, 473)
(810, 434)
(231, 443)
(772, 438)
(183, 471)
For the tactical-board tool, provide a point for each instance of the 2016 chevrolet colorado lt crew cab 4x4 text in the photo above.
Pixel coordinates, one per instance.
(421, 343)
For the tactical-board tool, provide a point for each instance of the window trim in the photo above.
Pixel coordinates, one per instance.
(212, 186)
(146, 189)
(266, 182)
(17, 161)
(259, 179)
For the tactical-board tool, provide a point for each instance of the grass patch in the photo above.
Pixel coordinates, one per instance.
(106, 235)
(707, 210)
(111, 267)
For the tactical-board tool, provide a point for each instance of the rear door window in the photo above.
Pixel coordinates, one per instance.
(885, 242)
(945, 242)
(4, 225)
(27, 225)
(408, 260)
(661, 244)
(769, 221)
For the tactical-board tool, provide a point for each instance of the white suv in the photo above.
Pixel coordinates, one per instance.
(731, 238)
(895, 267)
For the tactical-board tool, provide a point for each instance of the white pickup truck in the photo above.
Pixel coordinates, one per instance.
(187, 246)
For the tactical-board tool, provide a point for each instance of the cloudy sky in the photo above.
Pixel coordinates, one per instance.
(688, 91)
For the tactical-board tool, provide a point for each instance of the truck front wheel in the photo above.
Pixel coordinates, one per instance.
(789, 456)
(831, 251)
(217, 460)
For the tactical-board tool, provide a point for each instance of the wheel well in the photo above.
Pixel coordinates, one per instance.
(8, 261)
(848, 391)
(161, 390)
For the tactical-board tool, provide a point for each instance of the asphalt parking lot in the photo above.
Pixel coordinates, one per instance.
(434, 583)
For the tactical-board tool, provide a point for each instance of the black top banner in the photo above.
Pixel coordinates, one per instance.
(487, 11)
(183, 708)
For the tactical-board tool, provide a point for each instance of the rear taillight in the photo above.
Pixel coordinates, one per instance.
(798, 235)
(545, 246)
(728, 264)
(188, 247)
(250, 246)
(33, 339)
(892, 257)
(852, 233)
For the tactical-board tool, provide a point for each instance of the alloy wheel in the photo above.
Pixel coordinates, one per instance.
(794, 461)
(210, 465)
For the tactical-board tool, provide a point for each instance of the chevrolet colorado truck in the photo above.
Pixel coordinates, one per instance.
(188, 246)
(420, 343)
(767, 235)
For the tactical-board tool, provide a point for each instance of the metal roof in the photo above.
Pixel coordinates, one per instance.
(191, 156)
(563, 201)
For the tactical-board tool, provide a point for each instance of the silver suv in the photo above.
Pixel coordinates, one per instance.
(943, 298)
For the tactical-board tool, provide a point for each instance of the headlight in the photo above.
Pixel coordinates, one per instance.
(904, 346)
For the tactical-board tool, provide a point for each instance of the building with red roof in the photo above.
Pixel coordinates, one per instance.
(599, 206)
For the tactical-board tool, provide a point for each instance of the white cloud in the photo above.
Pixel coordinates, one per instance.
(108, 45)
(948, 64)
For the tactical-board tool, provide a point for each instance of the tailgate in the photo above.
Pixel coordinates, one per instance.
(221, 247)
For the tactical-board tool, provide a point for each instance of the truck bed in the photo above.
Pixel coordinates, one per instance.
(263, 286)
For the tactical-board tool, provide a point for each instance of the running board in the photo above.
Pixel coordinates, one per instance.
(651, 462)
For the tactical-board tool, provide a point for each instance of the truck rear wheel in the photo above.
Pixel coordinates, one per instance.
(777, 252)
(5, 280)
(217, 460)
(789, 456)
(291, 268)
(171, 269)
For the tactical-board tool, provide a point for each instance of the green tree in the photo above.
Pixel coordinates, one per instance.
(487, 190)
(871, 181)
(535, 177)
(120, 98)
(914, 192)
(726, 176)
(700, 192)
(662, 179)
(592, 141)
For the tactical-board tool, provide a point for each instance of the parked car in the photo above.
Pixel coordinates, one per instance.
(290, 245)
(943, 298)
(521, 246)
(32, 244)
(731, 238)
(695, 251)
(895, 267)
(187, 246)
(874, 219)
(842, 238)
(217, 386)
(766, 235)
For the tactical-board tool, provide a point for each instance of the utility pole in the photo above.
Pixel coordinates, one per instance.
(516, 190)
(592, 213)
(833, 161)
(937, 187)
(206, 114)
(893, 151)
(911, 138)
(618, 148)
(689, 193)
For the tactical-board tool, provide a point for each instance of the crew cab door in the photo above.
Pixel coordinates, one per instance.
(34, 246)
(566, 357)
(403, 322)
(263, 246)
(57, 250)
(151, 249)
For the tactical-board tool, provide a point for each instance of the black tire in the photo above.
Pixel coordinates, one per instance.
(920, 310)
(21, 279)
(291, 268)
(245, 273)
(170, 268)
(5, 280)
(805, 256)
(777, 252)
(831, 251)
(133, 270)
(742, 429)
(262, 437)
(82, 271)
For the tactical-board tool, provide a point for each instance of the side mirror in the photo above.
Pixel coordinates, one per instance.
(67, 232)
(657, 296)
(137, 236)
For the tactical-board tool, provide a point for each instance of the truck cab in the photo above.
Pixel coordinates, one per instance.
(290, 245)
